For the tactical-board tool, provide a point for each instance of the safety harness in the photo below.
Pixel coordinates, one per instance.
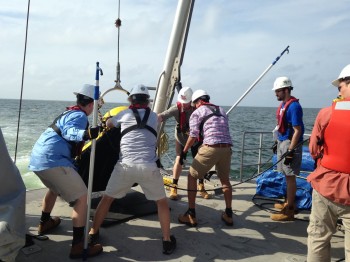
(215, 112)
(140, 123)
(76, 147)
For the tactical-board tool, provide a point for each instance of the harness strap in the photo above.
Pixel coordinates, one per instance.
(53, 125)
(141, 124)
(76, 146)
(215, 112)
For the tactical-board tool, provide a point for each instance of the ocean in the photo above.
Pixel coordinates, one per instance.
(36, 115)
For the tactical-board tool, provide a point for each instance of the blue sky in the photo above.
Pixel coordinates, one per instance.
(230, 44)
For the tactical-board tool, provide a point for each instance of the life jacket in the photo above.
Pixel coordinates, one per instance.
(140, 123)
(183, 125)
(336, 153)
(215, 112)
(281, 115)
(76, 147)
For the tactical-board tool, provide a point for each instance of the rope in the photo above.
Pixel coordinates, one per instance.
(163, 144)
(24, 62)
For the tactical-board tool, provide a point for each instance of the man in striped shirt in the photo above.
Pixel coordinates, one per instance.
(208, 123)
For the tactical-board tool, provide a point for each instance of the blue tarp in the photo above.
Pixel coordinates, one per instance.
(272, 184)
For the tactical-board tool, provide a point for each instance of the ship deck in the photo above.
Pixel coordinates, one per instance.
(254, 236)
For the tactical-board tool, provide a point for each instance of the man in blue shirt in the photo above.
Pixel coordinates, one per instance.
(289, 135)
(52, 160)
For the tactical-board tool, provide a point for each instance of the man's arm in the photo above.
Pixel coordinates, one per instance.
(295, 138)
(171, 112)
(316, 139)
(189, 143)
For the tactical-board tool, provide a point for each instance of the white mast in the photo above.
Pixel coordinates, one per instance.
(173, 59)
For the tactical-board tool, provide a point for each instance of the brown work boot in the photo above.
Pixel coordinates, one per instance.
(173, 192)
(228, 220)
(188, 219)
(45, 227)
(77, 250)
(280, 205)
(202, 192)
(94, 238)
(286, 214)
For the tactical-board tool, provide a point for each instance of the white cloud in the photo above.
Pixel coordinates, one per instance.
(230, 44)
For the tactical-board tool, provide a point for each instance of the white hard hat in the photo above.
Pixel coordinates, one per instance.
(344, 73)
(282, 82)
(185, 95)
(86, 90)
(198, 93)
(139, 90)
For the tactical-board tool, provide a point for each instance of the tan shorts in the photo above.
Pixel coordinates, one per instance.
(207, 157)
(146, 175)
(194, 149)
(64, 181)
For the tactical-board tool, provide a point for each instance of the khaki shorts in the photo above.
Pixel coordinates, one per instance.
(207, 157)
(64, 181)
(194, 149)
(146, 175)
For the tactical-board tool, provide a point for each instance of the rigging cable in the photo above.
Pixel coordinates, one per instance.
(117, 81)
(23, 67)
(118, 24)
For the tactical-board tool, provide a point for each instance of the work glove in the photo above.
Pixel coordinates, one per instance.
(182, 157)
(104, 122)
(289, 157)
(274, 147)
(91, 133)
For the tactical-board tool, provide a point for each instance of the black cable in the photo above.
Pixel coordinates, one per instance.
(23, 67)
(244, 181)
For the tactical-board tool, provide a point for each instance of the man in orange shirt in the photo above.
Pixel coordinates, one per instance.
(329, 145)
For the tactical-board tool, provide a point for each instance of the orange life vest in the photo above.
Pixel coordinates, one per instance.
(336, 154)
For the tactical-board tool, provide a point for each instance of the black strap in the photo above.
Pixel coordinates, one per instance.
(140, 123)
(53, 125)
(215, 112)
(76, 146)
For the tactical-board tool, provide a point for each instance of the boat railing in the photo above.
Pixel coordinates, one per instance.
(258, 147)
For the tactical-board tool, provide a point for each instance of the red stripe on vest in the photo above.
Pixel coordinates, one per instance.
(281, 114)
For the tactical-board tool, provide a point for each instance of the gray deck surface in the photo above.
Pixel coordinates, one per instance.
(254, 237)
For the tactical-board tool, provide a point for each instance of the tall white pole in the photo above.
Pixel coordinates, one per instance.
(258, 79)
(92, 159)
